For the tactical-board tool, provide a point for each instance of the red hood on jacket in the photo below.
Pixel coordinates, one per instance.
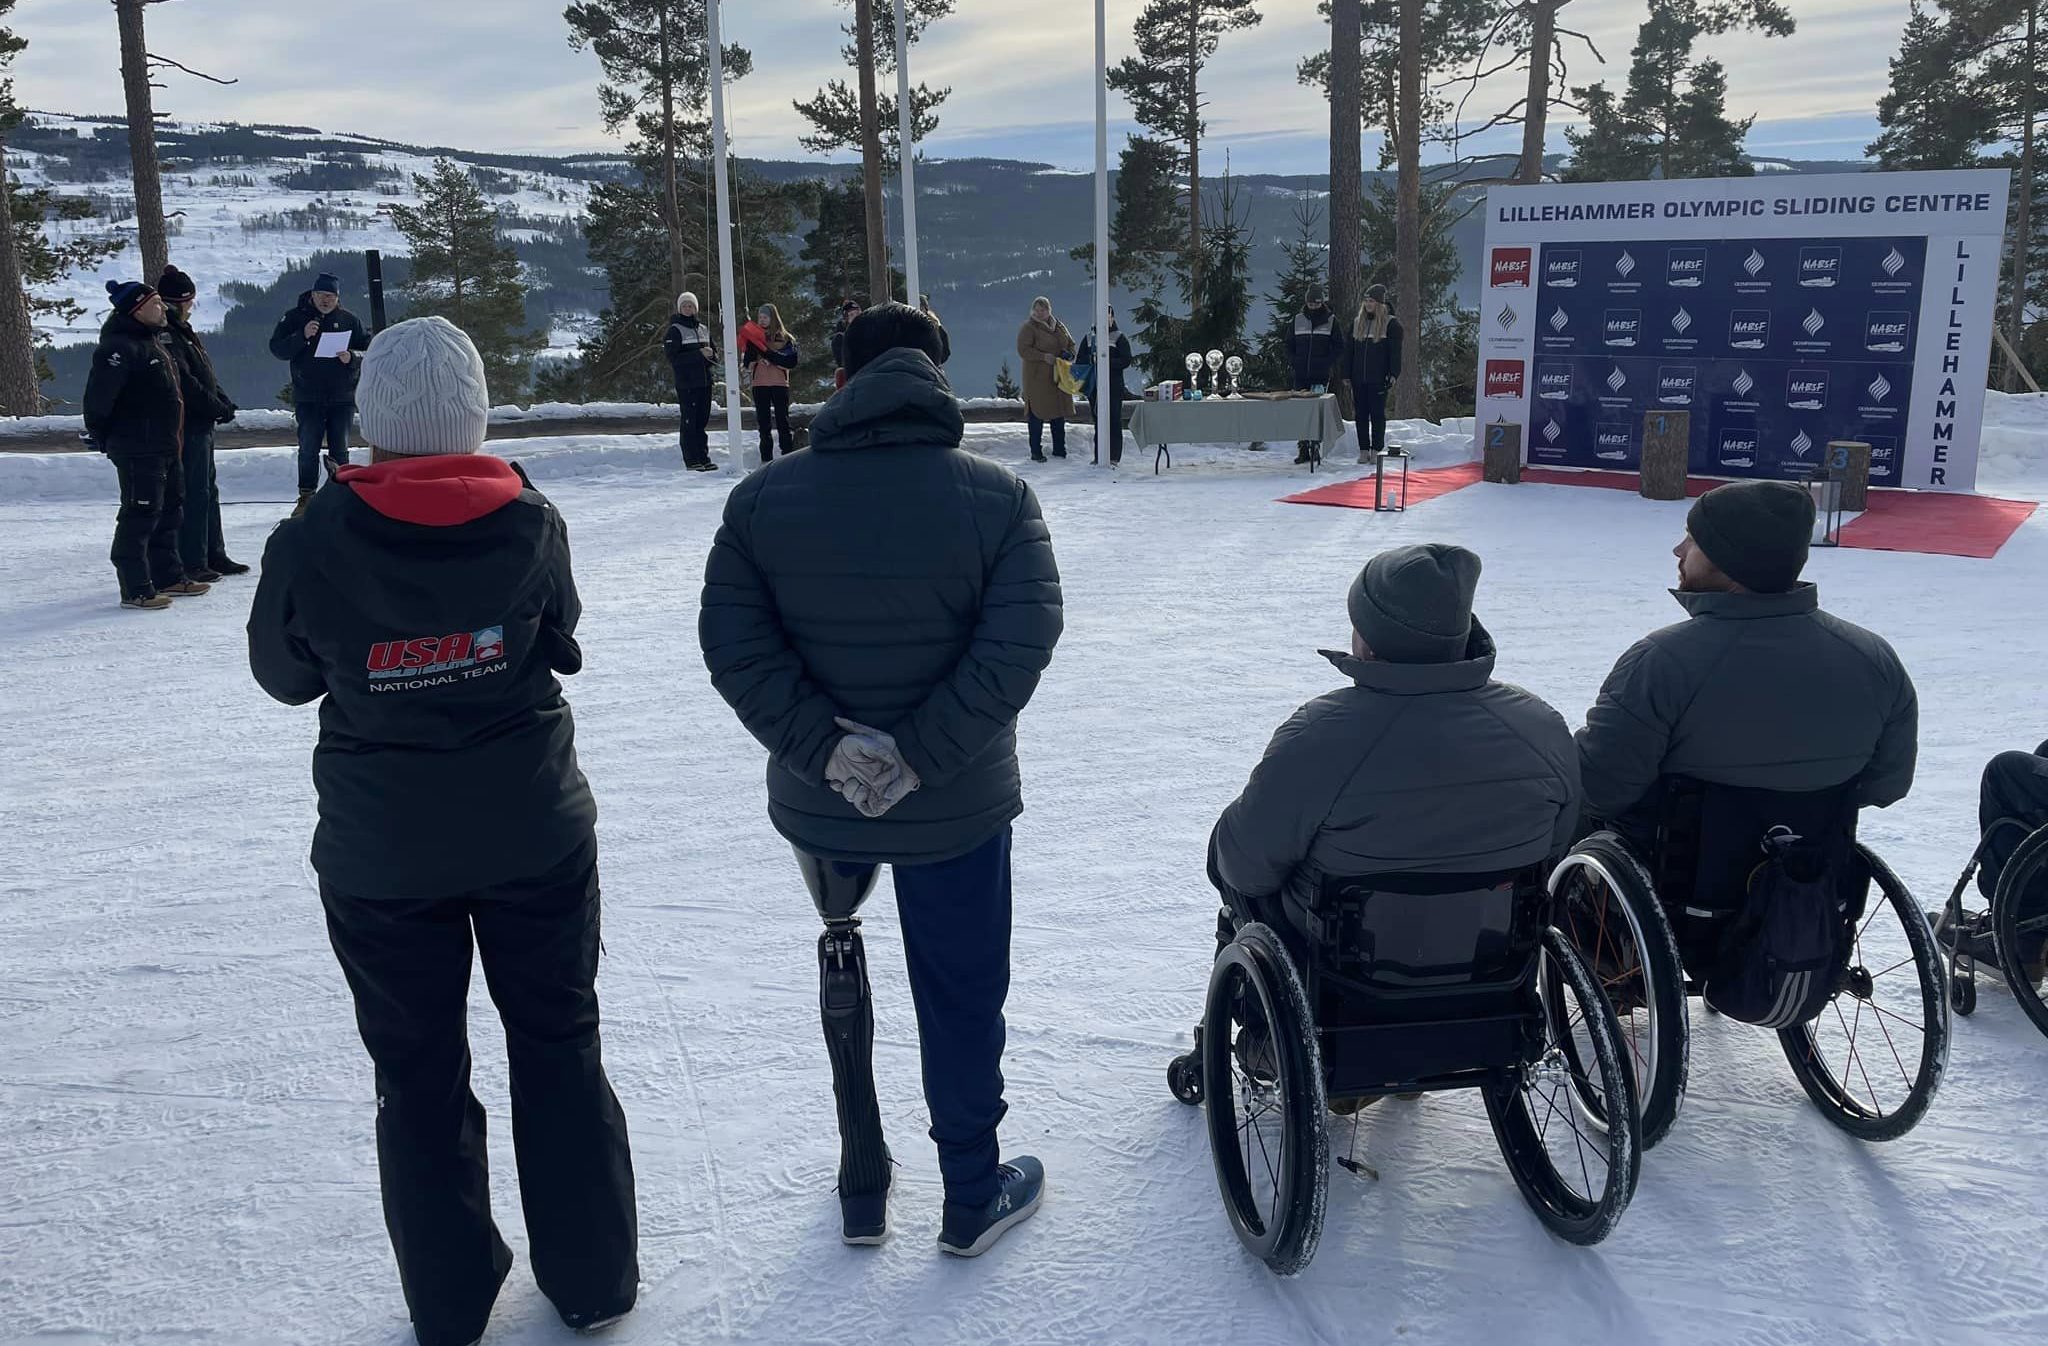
(439, 491)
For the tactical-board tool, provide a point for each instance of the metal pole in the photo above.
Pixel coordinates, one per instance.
(906, 156)
(1105, 405)
(735, 447)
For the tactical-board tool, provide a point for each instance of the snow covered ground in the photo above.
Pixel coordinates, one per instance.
(188, 1113)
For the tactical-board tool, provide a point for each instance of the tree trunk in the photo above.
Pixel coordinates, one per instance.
(149, 189)
(1347, 178)
(20, 389)
(1536, 111)
(879, 289)
(1194, 158)
(2023, 214)
(671, 195)
(1408, 214)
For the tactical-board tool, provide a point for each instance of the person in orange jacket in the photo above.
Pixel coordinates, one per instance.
(768, 352)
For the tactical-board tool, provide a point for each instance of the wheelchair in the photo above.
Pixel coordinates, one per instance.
(2016, 925)
(1398, 984)
(1648, 904)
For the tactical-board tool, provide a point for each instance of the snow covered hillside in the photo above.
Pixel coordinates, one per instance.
(189, 1114)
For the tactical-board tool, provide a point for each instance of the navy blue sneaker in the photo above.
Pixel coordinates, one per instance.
(970, 1231)
(864, 1220)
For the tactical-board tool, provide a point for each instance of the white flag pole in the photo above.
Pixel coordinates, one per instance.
(735, 445)
(1104, 404)
(906, 155)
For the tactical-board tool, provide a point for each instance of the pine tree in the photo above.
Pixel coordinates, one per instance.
(1440, 344)
(1218, 315)
(834, 112)
(1271, 364)
(1145, 229)
(1163, 82)
(1610, 147)
(20, 391)
(464, 272)
(1930, 116)
(1006, 383)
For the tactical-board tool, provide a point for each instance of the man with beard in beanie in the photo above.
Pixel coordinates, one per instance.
(1423, 765)
(200, 544)
(1315, 353)
(1758, 688)
(878, 611)
(428, 599)
(135, 414)
(323, 387)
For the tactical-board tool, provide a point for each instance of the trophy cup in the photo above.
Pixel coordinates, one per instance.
(1194, 364)
(1215, 373)
(1234, 367)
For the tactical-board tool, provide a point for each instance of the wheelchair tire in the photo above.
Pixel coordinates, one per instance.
(1874, 1067)
(1636, 959)
(1184, 1078)
(1262, 1079)
(1534, 1108)
(1962, 995)
(2013, 928)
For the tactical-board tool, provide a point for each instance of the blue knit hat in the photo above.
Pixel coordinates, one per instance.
(327, 283)
(128, 295)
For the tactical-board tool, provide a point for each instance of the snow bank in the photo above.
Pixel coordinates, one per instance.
(2012, 458)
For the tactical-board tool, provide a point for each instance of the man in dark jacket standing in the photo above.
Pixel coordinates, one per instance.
(687, 343)
(1423, 765)
(426, 601)
(1315, 352)
(1373, 363)
(878, 612)
(135, 414)
(201, 547)
(1758, 688)
(323, 386)
(1119, 361)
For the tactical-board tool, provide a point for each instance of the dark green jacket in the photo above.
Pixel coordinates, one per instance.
(890, 577)
(1423, 768)
(1763, 691)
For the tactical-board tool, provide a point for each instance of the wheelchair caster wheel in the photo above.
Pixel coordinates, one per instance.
(1184, 1077)
(1962, 996)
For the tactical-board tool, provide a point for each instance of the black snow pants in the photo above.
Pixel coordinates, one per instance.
(145, 550)
(696, 411)
(407, 962)
(1370, 402)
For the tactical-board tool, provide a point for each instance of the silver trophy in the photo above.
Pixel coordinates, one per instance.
(1234, 367)
(1194, 384)
(1215, 373)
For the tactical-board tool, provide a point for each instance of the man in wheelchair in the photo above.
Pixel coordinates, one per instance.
(2012, 803)
(1424, 765)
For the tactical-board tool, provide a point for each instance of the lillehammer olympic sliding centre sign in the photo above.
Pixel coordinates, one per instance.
(1781, 312)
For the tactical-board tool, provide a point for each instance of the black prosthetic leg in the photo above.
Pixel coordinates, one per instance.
(849, 1019)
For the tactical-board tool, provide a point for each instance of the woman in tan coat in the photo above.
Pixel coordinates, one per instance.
(1043, 340)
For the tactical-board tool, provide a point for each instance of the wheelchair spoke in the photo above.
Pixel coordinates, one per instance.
(1905, 1076)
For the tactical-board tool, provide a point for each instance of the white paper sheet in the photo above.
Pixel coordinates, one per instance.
(331, 345)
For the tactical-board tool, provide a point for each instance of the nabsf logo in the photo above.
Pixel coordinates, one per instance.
(1749, 329)
(1611, 442)
(1504, 378)
(1561, 269)
(1621, 326)
(1675, 384)
(1511, 268)
(1687, 268)
(1554, 382)
(1818, 267)
(1886, 331)
(1738, 448)
(1806, 389)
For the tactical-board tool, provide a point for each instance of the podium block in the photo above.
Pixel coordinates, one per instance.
(1851, 458)
(1503, 450)
(1667, 441)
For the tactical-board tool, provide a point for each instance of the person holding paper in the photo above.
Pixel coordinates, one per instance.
(321, 340)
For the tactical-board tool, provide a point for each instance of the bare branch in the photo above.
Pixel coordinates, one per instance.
(155, 59)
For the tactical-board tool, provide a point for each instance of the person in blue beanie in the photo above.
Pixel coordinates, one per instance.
(323, 387)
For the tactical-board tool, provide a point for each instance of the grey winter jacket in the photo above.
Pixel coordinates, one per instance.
(1423, 768)
(1763, 691)
(890, 577)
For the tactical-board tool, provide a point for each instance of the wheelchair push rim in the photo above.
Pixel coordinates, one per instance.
(1263, 1088)
(1577, 1178)
(2020, 922)
(1873, 1058)
(1607, 909)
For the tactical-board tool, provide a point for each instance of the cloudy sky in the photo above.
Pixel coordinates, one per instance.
(498, 74)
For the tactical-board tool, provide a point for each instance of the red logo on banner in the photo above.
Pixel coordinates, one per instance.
(1510, 269)
(1504, 378)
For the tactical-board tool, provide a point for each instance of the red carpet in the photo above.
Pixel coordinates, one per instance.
(1928, 522)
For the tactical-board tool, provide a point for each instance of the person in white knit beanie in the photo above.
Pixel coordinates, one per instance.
(423, 391)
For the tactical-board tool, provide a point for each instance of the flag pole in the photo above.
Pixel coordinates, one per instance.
(735, 446)
(1104, 404)
(906, 120)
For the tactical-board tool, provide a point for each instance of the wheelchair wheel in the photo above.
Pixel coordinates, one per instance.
(2019, 924)
(1577, 1178)
(1184, 1078)
(1874, 1057)
(1262, 1075)
(1608, 909)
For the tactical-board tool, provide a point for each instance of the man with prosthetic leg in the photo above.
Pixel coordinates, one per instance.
(878, 612)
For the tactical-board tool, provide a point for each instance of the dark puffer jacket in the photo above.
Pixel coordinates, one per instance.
(1416, 768)
(429, 602)
(1763, 691)
(890, 577)
(205, 402)
(134, 406)
(1315, 352)
(317, 382)
(690, 350)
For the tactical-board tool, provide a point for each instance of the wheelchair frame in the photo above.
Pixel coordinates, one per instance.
(2028, 862)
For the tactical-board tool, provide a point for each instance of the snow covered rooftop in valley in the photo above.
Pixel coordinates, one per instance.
(189, 1113)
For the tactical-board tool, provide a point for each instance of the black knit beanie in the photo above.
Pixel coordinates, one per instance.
(176, 286)
(887, 327)
(1757, 532)
(1413, 604)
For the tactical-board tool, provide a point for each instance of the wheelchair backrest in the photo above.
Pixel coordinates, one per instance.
(1395, 932)
(1710, 837)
